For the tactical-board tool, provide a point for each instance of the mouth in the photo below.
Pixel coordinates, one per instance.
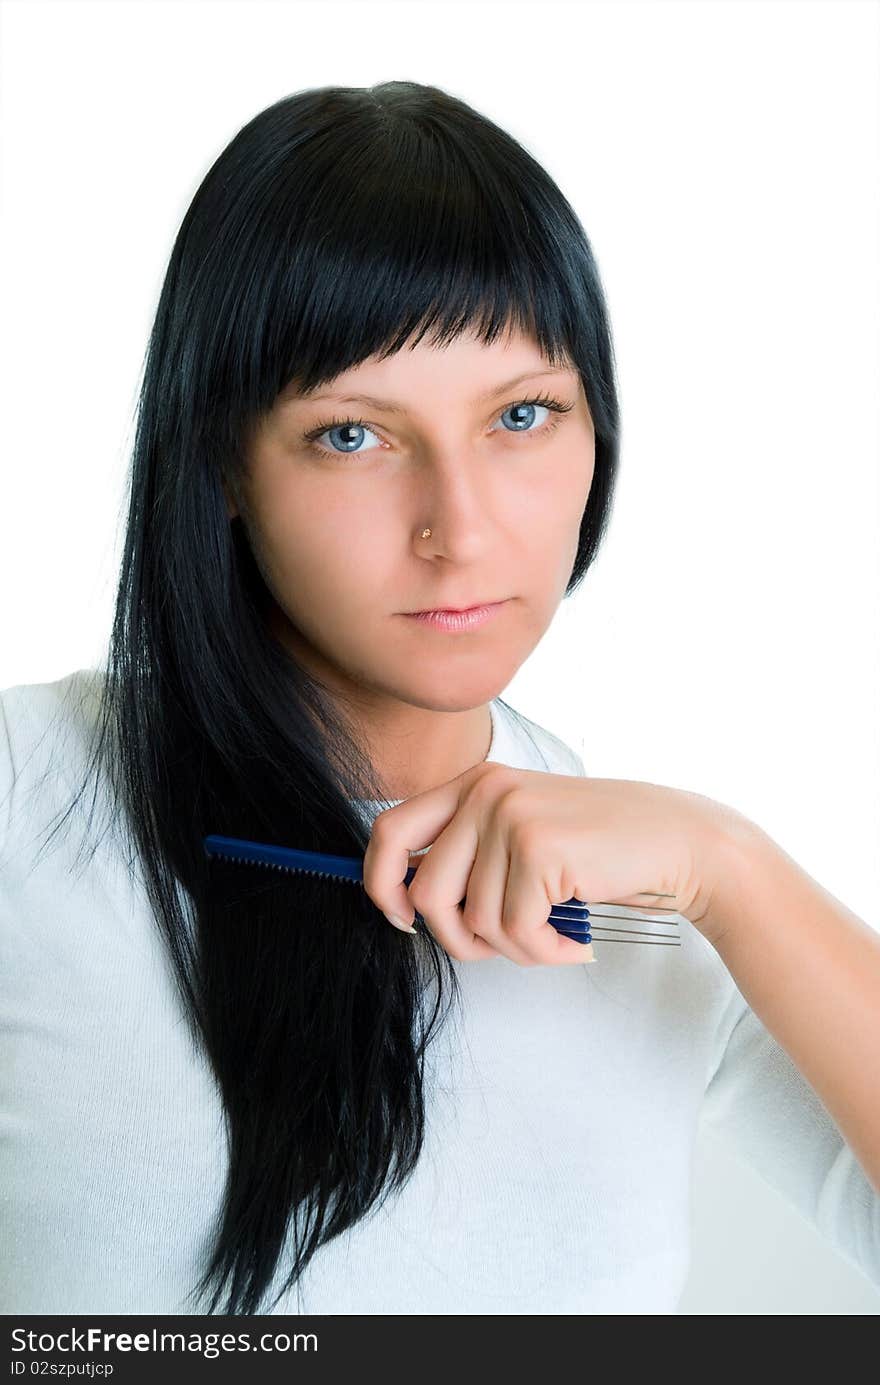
(454, 610)
(458, 619)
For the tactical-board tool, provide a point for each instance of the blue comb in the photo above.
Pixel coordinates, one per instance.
(571, 919)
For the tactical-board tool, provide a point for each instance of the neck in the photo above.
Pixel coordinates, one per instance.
(429, 748)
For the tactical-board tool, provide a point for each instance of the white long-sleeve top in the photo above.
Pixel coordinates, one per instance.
(563, 1102)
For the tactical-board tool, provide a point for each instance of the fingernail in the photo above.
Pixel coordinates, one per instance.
(399, 923)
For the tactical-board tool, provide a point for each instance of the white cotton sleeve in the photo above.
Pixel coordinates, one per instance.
(7, 777)
(764, 1109)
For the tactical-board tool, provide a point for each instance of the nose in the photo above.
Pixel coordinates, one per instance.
(454, 501)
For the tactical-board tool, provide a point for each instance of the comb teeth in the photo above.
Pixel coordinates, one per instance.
(276, 865)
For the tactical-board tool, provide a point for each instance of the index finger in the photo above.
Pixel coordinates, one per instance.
(406, 828)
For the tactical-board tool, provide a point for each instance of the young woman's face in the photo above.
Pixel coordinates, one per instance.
(447, 441)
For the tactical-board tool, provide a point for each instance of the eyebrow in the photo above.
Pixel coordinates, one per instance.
(392, 407)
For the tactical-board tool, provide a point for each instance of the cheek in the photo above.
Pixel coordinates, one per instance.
(551, 511)
(323, 553)
(555, 511)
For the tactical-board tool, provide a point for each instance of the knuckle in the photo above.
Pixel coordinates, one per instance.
(381, 825)
(473, 920)
(518, 935)
(418, 893)
(516, 803)
(497, 772)
(527, 834)
(496, 779)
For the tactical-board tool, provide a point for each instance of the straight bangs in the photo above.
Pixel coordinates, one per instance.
(417, 231)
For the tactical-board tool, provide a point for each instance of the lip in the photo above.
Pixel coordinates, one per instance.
(454, 610)
(454, 620)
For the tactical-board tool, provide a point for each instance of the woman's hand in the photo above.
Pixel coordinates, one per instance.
(514, 842)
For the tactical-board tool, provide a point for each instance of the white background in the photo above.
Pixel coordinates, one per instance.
(723, 158)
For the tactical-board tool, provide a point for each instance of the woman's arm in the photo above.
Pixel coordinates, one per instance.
(810, 970)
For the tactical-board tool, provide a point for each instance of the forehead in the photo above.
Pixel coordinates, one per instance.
(482, 371)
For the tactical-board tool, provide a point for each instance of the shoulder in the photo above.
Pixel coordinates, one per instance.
(45, 733)
(527, 745)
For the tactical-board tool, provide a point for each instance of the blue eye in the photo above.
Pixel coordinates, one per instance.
(350, 445)
(529, 405)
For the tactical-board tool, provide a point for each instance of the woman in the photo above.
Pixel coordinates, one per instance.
(269, 1103)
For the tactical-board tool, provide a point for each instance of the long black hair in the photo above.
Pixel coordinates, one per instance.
(336, 225)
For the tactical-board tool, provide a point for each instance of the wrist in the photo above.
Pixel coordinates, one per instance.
(735, 852)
